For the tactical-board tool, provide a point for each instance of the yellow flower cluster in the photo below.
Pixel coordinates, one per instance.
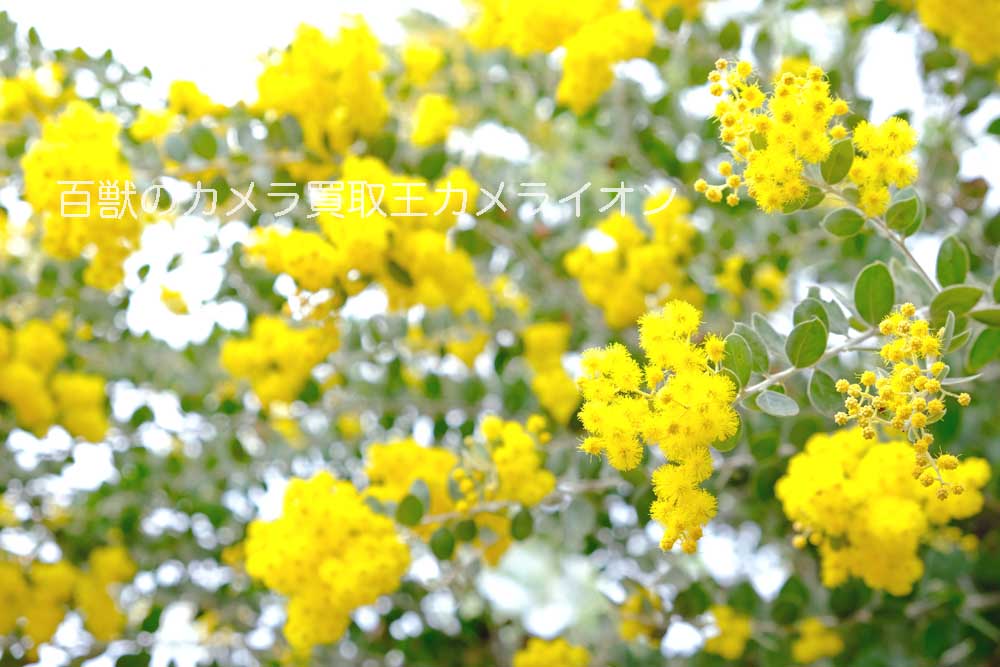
(42, 396)
(595, 33)
(734, 631)
(883, 159)
(32, 92)
(857, 502)
(37, 599)
(550, 652)
(660, 8)
(815, 641)
(686, 405)
(909, 397)
(592, 52)
(403, 246)
(504, 467)
(643, 269)
(329, 553)
(544, 345)
(777, 135)
(82, 144)
(973, 27)
(186, 99)
(774, 134)
(343, 72)
(433, 119)
(277, 358)
(421, 59)
(639, 616)
(767, 281)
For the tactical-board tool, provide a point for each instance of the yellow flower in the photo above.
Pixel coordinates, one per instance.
(734, 629)
(549, 653)
(433, 119)
(683, 415)
(858, 502)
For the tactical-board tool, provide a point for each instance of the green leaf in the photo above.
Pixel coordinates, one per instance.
(836, 167)
(176, 147)
(729, 36)
(874, 293)
(466, 530)
(809, 308)
(823, 393)
(806, 343)
(959, 340)
(814, 197)
(906, 213)
(996, 289)
(778, 405)
(774, 340)
(985, 349)
(988, 316)
(958, 299)
(952, 262)
(203, 142)
(522, 525)
(758, 349)
(844, 222)
(410, 511)
(739, 357)
(764, 445)
(399, 274)
(442, 543)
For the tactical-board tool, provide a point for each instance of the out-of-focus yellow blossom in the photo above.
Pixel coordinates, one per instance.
(642, 270)
(971, 26)
(857, 501)
(595, 33)
(797, 65)
(422, 60)
(777, 134)
(329, 554)
(640, 617)
(504, 466)
(82, 144)
(815, 641)
(734, 631)
(469, 346)
(40, 395)
(592, 52)
(660, 8)
(403, 245)
(551, 652)
(185, 99)
(40, 595)
(277, 358)
(343, 72)
(152, 124)
(679, 401)
(173, 300)
(908, 397)
(544, 345)
(533, 26)
(769, 283)
(32, 92)
(433, 119)
(349, 426)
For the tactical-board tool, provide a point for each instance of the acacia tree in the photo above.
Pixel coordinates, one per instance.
(341, 376)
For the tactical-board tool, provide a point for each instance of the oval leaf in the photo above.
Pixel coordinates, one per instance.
(958, 299)
(778, 405)
(836, 167)
(739, 358)
(874, 293)
(843, 222)
(952, 262)
(806, 343)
